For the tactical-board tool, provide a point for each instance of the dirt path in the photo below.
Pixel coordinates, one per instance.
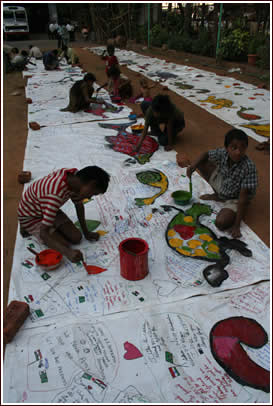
(203, 131)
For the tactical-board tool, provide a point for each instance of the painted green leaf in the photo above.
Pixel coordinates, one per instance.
(179, 219)
(202, 230)
(91, 224)
(198, 209)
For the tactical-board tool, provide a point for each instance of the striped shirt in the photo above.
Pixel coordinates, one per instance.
(43, 198)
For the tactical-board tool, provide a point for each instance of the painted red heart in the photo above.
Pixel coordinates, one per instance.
(132, 352)
(226, 337)
(185, 232)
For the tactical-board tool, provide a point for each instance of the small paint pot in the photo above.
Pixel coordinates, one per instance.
(137, 129)
(49, 260)
(133, 259)
(181, 197)
(24, 177)
(116, 99)
(34, 126)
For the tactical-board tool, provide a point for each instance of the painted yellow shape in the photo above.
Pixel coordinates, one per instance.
(102, 232)
(163, 185)
(188, 219)
(205, 237)
(194, 243)
(175, 242)
(218, 103)
(213, 248)
(184, 252)
(171, 233)
(262, 129)
(148, 218)
(199, 252)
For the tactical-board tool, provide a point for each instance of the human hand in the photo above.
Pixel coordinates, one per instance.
(235, 231)
(91, 236)
(190, 171)
(168, 148)
(136, 148)
(75, 256)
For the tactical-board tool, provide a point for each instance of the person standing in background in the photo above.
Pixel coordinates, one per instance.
(64, 35)
(70, 28)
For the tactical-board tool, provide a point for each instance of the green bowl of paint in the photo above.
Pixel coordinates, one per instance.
(181, 197)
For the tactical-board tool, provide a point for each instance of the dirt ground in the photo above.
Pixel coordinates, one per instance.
(203, 131)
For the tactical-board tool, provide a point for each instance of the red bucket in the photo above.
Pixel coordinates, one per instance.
(133, 259)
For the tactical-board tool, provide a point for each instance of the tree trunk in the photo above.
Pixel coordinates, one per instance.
(215, 25)
(159, 14)
(187, 21)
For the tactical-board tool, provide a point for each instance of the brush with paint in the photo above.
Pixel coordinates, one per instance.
(182, 197)
(48, 260)
(93, 269)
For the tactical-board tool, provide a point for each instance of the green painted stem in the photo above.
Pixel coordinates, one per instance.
(219, 30)
(190, 186)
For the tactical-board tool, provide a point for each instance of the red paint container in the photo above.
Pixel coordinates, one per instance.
(133, 259)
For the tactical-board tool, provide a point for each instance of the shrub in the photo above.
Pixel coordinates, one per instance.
(159, 36)
(186, 42)
(234, 44)
(141, 34)
(263, 53)
(175, 42)
(203, 44)
(255, 42)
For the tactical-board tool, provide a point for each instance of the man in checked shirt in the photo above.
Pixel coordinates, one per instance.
(233, 177)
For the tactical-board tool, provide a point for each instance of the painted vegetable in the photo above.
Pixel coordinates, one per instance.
(226, 337)
(247, 116)
(153, 178)
(195, 236)
(219, 103)
(260, 129)
(188, 237)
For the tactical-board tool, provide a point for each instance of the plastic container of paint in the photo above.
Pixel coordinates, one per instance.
(133, 259)
(132, 116)
(49, 259)
(182, 197)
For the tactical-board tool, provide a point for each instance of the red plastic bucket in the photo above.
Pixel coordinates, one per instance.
(133, 259)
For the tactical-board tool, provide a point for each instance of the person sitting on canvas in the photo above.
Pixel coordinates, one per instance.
(50, 60)
(35, 52)
(145, 90)
(69, 54)
(233, 177)
(39, 212)
(118, 84)
(80, 95)
(162, 110)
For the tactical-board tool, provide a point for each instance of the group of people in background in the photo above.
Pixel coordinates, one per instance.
(228, 170)
(63, 32)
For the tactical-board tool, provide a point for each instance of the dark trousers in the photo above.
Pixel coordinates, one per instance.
(156, 131)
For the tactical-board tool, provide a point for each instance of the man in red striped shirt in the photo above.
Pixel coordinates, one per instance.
(39, 211)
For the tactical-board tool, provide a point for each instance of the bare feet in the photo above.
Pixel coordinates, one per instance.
(24, 233)
(212, 196)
